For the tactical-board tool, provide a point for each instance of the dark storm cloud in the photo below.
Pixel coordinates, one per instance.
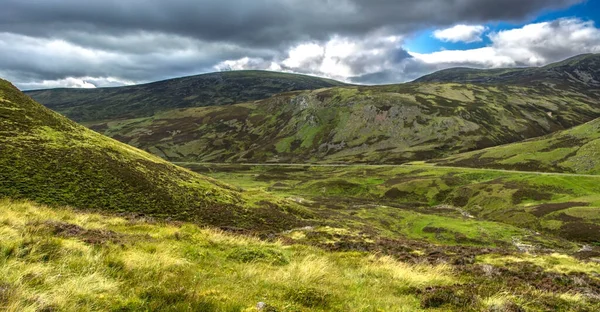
(256, 22)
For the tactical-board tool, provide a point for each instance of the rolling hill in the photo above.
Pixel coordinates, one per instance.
(47, 158)
(575, 150)
(381, 124)
(203, 90)
(577, 72)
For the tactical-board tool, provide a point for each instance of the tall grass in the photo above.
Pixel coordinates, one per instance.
(136, 265)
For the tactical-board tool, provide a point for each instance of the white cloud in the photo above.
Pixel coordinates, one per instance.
(339, 58)
(381, 59)
(461, 33)
(376, 58)
(33, 62)
(75, 82)
(532, 45)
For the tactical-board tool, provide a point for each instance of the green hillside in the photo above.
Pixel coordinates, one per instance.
(202, 90)
(576, 150)
(383, 124)
(49, 159)
(447, 206)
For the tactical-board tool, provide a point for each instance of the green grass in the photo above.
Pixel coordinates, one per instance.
(57, 259)
(183, 267)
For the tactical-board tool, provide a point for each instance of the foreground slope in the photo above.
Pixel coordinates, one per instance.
(384, 124)
(58, 260)
(202, 90)
(47, 158)
(576, 150)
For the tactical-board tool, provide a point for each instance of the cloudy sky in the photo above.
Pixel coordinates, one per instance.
(75, 43)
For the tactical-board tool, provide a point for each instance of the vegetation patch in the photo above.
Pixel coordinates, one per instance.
(266, 255)
(67, 230)
(544, 209)
(452, 297)
(309, 297)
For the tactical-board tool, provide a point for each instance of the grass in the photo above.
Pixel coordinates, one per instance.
(181, 267)
(571, 151)
(551, 262)
(47, 254)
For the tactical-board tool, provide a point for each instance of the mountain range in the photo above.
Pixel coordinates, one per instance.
(223, 88)
(431, 118)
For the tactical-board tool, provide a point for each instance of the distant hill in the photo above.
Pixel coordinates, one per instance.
(579, 71)
(383, 124)
(576, 150)
(431, 118)
(145, 100)
(47, 158)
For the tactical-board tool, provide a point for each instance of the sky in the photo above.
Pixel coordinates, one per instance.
(88, 44)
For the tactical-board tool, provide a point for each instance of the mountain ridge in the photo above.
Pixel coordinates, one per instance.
(375, 124)
(220, 88)
(384, 124)
(542, 74)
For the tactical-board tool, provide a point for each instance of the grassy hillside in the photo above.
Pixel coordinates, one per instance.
(58, 260)
(575, 150)
(383, 124)
(202, 90)
(49, 159)
(446, 206)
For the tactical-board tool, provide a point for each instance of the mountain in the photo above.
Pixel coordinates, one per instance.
(380, 124)
(575, 150)
(203, 90)
(49, 159)
(579, 71)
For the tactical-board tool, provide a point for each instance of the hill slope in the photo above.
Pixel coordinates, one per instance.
(202, 90)
(579, 71)
(50, 159)
(576, 150)
(383, 124)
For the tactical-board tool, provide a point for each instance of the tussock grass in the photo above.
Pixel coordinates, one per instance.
(158, 266)
(553, 262)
